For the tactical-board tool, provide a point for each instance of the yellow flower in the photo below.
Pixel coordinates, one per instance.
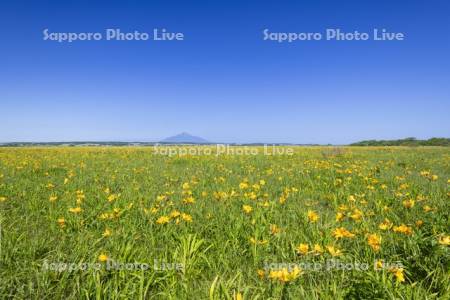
(312, 216)
(342, 233)
(247, 209)
(80, 195)
(103, 257)
(112, 197)
(251, 195)
(434, 177)
(189, 200)
(342, 207)
(403, 229)
(303, 249)
(163, 220)
(427, 208)
(444, 240)
(104, 216)
(261, 273)
(424, 173)
(106, 233)
(161, 198)
(75, 210)
(318, 249)
(238, 296)
(256, 242)
(419, 223)
(398, 273)
(274, 229)
(408, 203)
(374, 241)
(379, 264)
(53, 198)
(403, 186)
(175, 214)
(334, 251)
(284, 275)
(2, 199)
(356, 215)
(186, 186)
(61, 222)
(186, 217)
(385, 225)
(243, 185)
(339, 216)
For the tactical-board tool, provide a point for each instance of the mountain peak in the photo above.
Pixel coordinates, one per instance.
(184, 138)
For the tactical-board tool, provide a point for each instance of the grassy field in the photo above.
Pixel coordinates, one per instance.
(126, 223)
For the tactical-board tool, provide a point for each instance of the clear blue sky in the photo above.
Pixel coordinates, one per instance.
(223, 82)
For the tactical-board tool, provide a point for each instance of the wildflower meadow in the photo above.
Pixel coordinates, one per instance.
(311, 223)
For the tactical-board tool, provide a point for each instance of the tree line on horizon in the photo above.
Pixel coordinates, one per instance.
(411, 141)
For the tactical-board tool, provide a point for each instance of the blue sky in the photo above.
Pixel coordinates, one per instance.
(223, 82)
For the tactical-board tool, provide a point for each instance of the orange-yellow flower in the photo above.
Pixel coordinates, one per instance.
(342, 233)
(61, 222)
(339, 216)
(103, 257)
(312, 216)
(256, 242)
(427, 208)
(408, 203)
(75, 210)
(284, 275)
(374, 241)
(163, 220)
(356, 215)
(398, 273)
(189, 200)
(274, 229)
(261, 273)
(385, 225)
(403, 229)
(186, 217)
(444, 240)
(334, 251)
(247, 209)
(317, 249)
(303, 249)
(175, 214)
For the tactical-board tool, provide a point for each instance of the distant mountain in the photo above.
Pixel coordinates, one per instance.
(184, 138)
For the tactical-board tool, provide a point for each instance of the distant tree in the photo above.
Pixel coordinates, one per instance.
(410, 142)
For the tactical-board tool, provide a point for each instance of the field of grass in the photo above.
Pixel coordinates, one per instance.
(126, 223)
